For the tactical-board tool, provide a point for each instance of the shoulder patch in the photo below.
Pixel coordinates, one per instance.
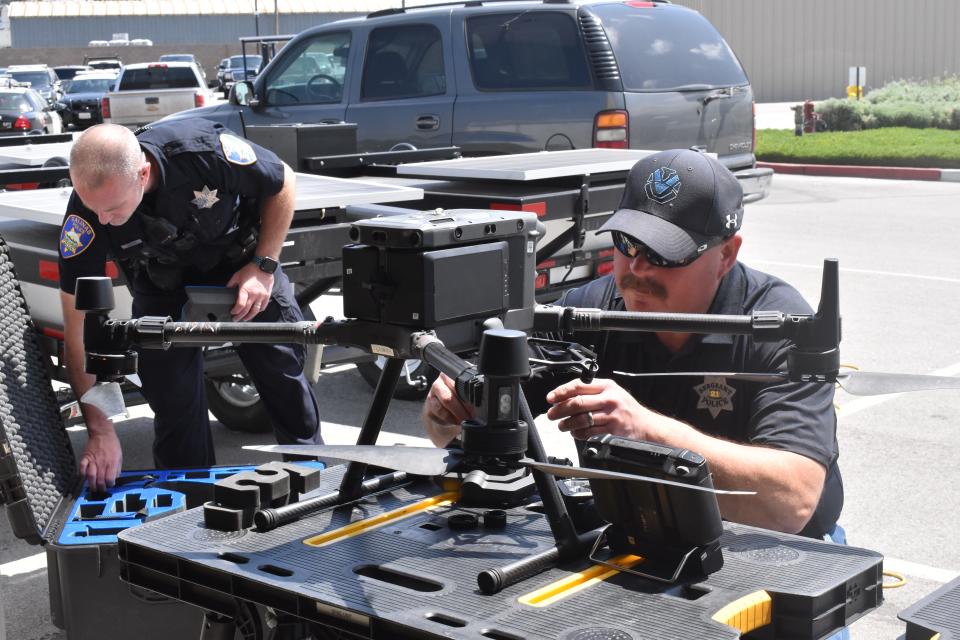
(236, 150)
(75, 236)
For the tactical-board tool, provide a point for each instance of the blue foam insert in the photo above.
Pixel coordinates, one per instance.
(97, 518)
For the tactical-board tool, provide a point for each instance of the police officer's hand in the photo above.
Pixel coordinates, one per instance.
(102, 458)
(443, 411)
(602, 406)
(253, 292)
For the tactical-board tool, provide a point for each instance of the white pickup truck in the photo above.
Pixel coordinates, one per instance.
(148, 91)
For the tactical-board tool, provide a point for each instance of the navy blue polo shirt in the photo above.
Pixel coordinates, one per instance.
(792, 416)
(210, 181)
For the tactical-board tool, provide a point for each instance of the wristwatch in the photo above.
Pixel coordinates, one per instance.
(266, 264)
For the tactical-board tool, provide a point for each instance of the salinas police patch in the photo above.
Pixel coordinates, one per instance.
(236, 150)
(75, 236)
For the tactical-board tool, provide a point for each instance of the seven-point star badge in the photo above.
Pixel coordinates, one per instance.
(715, 395)
(206, 198)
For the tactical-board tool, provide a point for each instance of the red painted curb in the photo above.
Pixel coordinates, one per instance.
(854, 171)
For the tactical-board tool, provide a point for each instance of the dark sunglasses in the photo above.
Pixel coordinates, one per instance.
(631, 248)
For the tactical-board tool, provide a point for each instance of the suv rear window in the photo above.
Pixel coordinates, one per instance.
(667, 49)
(536, 50)
(158, 77)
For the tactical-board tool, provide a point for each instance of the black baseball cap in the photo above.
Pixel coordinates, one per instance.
(677, 201)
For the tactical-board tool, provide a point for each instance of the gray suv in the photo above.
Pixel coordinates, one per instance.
(512, 77)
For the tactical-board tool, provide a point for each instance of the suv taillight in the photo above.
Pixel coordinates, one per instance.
(611, 130)
(754, 149)
(199, 99)
(22, 123)
(105, 107)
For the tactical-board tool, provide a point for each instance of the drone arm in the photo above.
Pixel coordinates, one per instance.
(764, 326)
(430, 349)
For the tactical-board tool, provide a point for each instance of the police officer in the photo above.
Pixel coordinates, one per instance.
(182, 204)
(676, 242)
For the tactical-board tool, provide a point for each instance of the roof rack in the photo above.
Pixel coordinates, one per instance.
(463, 3)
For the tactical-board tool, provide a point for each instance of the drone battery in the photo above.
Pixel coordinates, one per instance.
(426, 270)
(649, 519)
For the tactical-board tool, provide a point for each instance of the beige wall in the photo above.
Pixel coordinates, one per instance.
(797, 49)
(792, 49)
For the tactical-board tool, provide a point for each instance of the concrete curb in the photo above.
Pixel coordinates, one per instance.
(857, 171)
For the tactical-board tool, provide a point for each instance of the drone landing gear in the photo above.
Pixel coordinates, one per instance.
(662, 562)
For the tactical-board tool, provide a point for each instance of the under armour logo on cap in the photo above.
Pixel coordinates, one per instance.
(663, 185)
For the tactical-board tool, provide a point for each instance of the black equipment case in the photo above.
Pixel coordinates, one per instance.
(47, 504)
(394, 567)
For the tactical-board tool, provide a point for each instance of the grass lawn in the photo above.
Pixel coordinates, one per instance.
(888, 147)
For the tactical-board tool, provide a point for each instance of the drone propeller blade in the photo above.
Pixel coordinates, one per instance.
(749, 377)
(419, 461)
(871, 383)
(564, 471)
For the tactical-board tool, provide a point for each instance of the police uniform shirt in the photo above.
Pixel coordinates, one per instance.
(792, 416)
(208, 180)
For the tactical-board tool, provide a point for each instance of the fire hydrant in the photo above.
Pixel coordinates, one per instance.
(809, 120)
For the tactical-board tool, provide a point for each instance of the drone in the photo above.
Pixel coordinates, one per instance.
(399, 277)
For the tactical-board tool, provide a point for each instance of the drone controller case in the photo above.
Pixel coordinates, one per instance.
(664, 514)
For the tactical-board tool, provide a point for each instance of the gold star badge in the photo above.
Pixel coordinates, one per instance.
(206, 198)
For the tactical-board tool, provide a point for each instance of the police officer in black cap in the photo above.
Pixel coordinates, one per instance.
(676, 241)
(188, 203)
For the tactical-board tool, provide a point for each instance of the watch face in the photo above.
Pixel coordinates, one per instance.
(267, 265)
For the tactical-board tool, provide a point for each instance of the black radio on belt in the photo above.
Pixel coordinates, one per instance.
(676, 530)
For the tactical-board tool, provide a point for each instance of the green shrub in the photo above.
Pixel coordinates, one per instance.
(841, 115)
(903, 103)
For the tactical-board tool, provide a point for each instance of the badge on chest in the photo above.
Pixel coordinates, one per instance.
(715, 395)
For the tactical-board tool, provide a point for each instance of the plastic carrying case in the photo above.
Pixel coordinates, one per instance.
(47, 504)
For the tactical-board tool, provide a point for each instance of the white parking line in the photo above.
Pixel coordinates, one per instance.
(914, 570)
(893, 274)
(24, 565)
(847, 409)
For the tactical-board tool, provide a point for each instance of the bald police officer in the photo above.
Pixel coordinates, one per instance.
(183, 204)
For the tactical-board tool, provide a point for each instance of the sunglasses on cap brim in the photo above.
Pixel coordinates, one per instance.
(631, 248)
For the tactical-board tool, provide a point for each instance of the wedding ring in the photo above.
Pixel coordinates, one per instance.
(589, 418)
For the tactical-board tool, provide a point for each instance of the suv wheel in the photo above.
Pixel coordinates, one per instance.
(236, 404)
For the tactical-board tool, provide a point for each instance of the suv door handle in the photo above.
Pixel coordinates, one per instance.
(428, 123)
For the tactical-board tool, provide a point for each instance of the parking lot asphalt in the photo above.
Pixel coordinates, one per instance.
(900, 297)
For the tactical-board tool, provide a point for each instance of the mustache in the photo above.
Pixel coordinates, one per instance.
(645, 285)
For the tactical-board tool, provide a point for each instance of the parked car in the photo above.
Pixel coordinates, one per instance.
(223, 66)
(81, 101)
(495, 78)
(42, 79)
(147, 91)
(234, 71)
(185, 57)
(23, 111)
(67, 72)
